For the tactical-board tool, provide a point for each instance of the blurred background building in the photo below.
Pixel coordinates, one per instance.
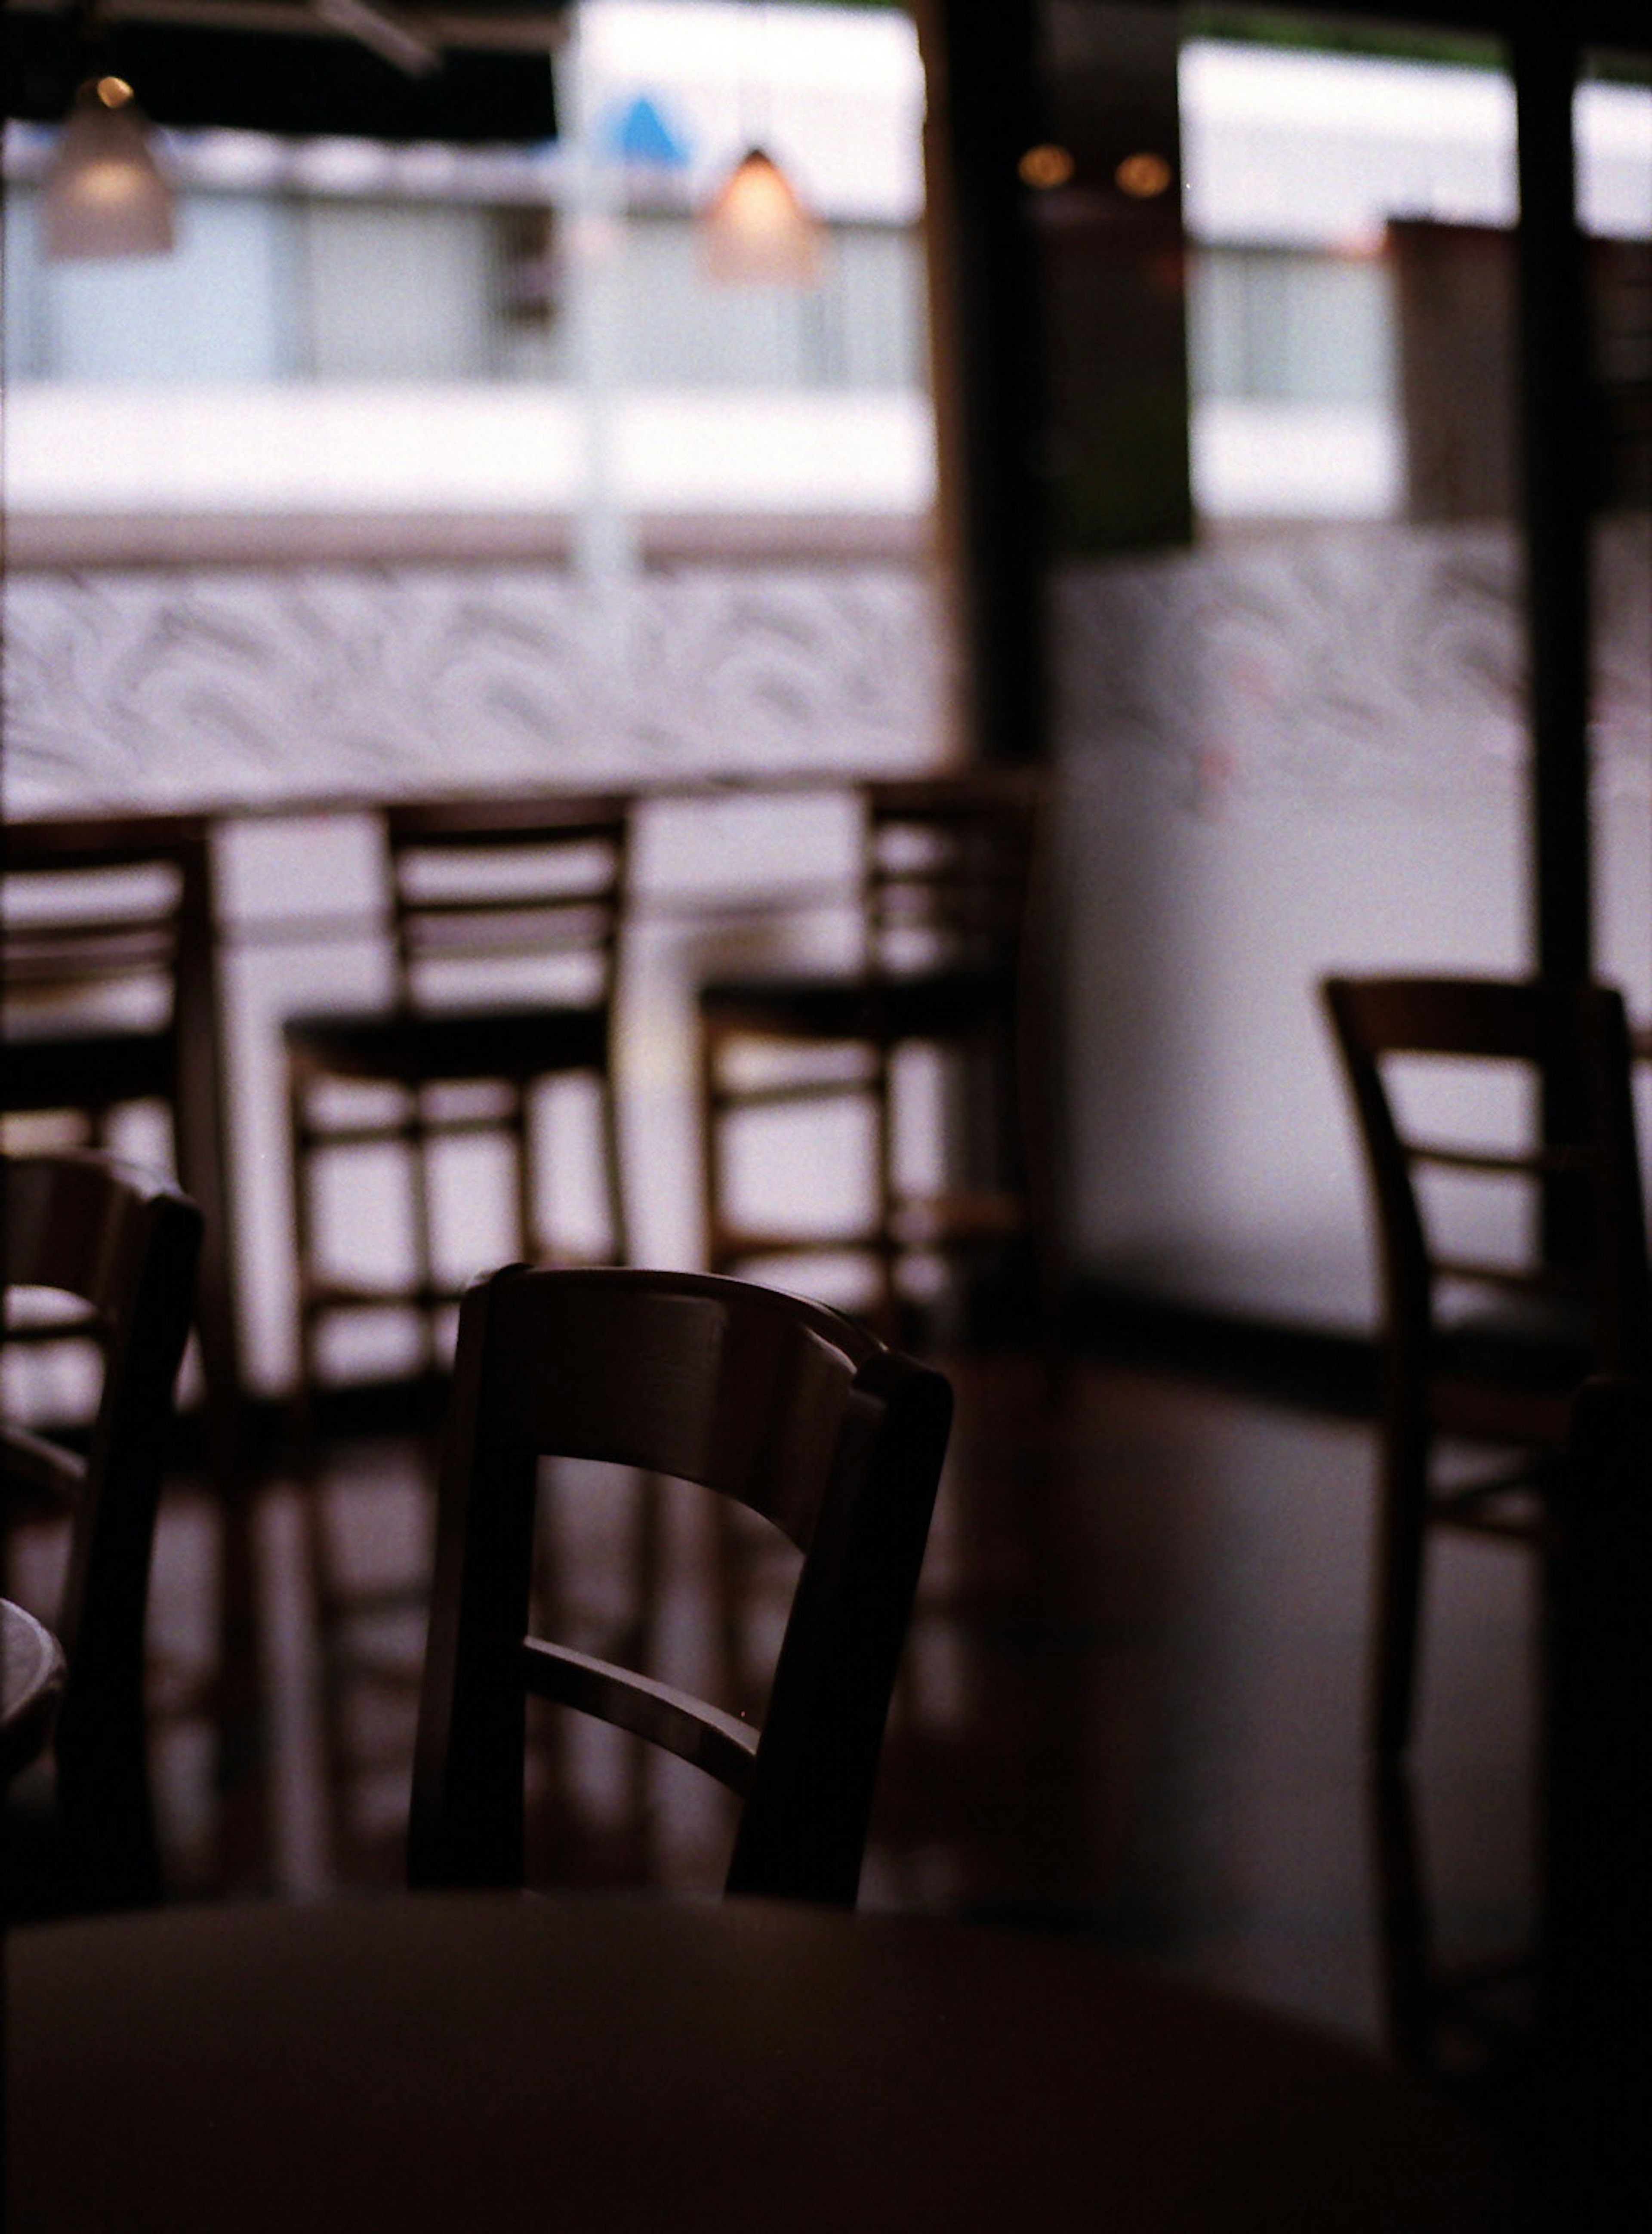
(419, 464)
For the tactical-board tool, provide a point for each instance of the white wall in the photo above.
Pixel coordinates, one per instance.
(1281, 759)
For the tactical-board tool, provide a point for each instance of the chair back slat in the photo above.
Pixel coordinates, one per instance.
(115, 906)
(702, 1735)
(947, 869)
(478, 883)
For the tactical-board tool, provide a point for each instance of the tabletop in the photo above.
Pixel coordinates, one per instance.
(610, 2065)
(31, 1676)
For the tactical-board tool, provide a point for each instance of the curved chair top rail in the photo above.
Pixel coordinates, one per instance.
(736, 1388)
(513, 820)
(78, 1221)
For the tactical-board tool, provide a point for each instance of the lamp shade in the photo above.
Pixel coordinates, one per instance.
(755, 230)
(104, 193)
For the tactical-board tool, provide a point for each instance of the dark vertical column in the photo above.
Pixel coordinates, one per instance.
(979, 61)
(1556, 457)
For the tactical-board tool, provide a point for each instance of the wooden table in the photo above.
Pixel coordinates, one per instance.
(31, 1676)
(499, 2062)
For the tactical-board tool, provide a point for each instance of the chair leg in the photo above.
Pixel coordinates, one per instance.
(619, 1237)
(518, 1123)
(886, 1314)
(242, 1767)
(1403, 1934)
(303, 1428)
(1402, 1522)
(713, 1174)
(424, 1278)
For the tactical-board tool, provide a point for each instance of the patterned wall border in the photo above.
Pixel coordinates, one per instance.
(1330, 665)
(172, 687)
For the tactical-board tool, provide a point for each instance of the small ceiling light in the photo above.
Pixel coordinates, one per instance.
(755, 231)
(104, 193)
(1045, 167)
(1143, 176)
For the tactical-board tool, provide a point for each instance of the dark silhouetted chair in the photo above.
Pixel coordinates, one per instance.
(944, 881)
(783, 1406)
(507, 919)
(112, 999)
(125, 1245)
(1487, 1344)
(110, 974)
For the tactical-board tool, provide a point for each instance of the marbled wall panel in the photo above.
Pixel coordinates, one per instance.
(1337, 664)
(173, 687)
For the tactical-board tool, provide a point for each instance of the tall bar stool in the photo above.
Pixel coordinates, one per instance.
(506, 923)
(946, 864)
(507, 919)
(110, 965)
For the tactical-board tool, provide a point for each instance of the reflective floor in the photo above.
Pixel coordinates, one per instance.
(1130, 1704)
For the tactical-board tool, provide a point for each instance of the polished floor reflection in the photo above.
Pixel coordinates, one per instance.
(1131, 1705)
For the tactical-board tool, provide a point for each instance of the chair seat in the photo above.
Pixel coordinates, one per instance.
(406, 1046)
(89, 1068)
(879, 1006)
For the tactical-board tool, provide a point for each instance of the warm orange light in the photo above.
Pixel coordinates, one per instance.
(755, 231)
(1143, 176)
(1045, 166)
(114, 92)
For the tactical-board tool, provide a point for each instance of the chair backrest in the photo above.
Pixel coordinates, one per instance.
(106, 923)
(126, 1244)
(1574, 1034)
(947, 870)
(784, 1406)
(497, 896)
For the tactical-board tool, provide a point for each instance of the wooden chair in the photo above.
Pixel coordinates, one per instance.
(1452, 1366)
(782, 1406)
(111, 988)
(946, 867)
(126, 1244)
(109, 960)
(507, 917)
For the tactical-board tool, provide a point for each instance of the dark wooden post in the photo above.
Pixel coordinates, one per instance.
(1557, 461)
(986, 315)
(1556, 457)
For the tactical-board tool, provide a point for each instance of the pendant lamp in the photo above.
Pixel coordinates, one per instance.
(755, 231)
(104, 193)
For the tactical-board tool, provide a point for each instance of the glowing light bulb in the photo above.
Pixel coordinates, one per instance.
(756, 231)
(1045, 167)
(1143, 176)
